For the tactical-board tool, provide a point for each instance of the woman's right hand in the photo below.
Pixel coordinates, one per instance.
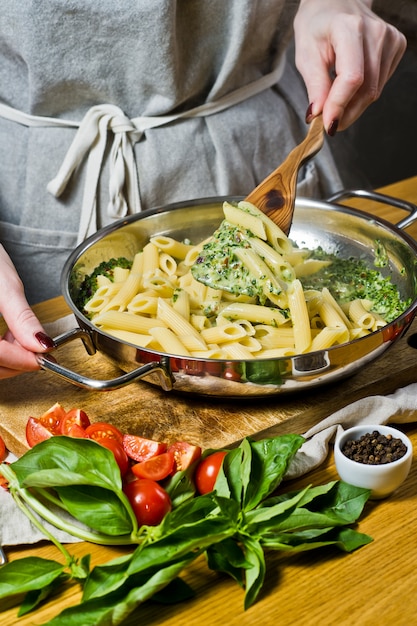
(25, 335)
(345, 54)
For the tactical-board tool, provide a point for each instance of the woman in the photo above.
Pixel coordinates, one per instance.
(112, 107)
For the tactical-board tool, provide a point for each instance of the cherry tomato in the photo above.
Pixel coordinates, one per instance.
(156, 468)
(184, 454)
(2, 450)
(149, 501)
(51, 419)
(36, 432)
(120, 455)
(103, 430)
(74, 417)
(207, 470)
(140, 449)
(76, 431)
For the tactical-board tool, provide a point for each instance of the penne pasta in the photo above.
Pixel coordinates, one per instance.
(171, 246)
(168, 341)
(224, 333)
(254, 313)
(360, 314)
(328, 337)
(160, 305)
(127, 321)
(299, 316)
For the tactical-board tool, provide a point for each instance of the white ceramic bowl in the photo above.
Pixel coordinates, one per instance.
(382, 479)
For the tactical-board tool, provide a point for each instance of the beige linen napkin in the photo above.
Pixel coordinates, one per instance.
(399, 408)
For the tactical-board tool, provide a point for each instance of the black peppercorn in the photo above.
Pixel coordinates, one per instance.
(374, 449)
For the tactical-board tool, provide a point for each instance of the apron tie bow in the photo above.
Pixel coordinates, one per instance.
(90, 142)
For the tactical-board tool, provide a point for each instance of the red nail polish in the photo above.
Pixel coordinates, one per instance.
(309, 113)
(45, 341)
(333, 128)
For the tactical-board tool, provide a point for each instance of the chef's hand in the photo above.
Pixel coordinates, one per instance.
(345, 54)
(25, 335)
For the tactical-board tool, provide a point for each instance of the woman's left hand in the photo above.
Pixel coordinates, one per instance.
(345, 54)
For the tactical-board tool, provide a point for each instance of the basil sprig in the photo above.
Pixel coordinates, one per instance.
(75, 484)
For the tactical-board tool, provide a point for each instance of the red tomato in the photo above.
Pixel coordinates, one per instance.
(140, 449)
(103, 430)
(2, 450)
(76, 431)
(75, 417)
(120, 455)
(36, 431)
(207, 470)
(149, 501)
(51, 419)
(184, 454)
(156, 468)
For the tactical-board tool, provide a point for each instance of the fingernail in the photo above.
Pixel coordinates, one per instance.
(333, 127)
(45, 341)
(309, 113)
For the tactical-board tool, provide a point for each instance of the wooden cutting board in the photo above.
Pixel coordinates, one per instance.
(144, 409)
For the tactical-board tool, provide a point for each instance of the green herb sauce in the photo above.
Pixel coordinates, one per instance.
(348, 279)
(218, 267)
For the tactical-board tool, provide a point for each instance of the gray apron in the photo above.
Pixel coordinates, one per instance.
(113, 107)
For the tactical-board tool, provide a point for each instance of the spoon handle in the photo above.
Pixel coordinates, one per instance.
(275, 196)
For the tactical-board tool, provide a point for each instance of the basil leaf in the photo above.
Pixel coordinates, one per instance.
(262, 519)
(98, 508)
(349, 539)
(334, 504)
(28, 574)
(106, 578)
(230, 479)
(115, 608)
(60, 461)
(228, 557)
(346, 539)
(255, 574)
(180, 487)
(35, 597)
(196, 510)
(270, 461)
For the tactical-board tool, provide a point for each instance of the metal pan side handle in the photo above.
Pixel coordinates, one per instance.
(47, 362)
(383, 199)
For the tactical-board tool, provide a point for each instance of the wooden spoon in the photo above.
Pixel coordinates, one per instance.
(275, 196)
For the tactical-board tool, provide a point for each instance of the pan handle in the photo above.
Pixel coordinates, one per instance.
(47, 362)
(384, 199)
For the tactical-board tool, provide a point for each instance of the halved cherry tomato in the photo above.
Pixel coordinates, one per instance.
(2, 449)
(51, 419)
(120, 455)
(74, 417)
(36, 432)
(103, 430)
(76, 431)
(184, 454)
(207, 470)
(156, 468)
(140, 449)
(149, 501)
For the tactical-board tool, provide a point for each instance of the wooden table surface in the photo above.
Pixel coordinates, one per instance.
(376, 584)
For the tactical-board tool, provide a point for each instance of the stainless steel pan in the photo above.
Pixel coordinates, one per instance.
(316, 223)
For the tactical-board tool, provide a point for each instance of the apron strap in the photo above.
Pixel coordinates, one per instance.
(90, 143)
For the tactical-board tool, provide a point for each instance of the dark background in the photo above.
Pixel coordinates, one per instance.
(381, 147)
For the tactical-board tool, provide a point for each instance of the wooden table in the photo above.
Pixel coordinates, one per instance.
(373, 585)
